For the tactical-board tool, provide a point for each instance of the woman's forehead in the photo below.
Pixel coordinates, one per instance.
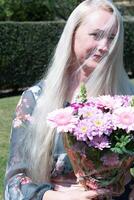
(99, 19)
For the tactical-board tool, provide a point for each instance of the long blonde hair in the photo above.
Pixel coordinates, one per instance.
(39, 141)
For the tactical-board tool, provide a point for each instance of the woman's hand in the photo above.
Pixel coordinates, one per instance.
(74, 194)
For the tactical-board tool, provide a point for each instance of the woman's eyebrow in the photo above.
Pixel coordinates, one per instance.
(97, 30)
(100, 31)
(103, 32)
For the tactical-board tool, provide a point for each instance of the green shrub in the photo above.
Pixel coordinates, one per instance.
(33, 10)
(25, 10)
(26, 49)
(126, 9)
(129, 45)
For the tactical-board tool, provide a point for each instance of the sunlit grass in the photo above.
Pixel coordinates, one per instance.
(7, 107)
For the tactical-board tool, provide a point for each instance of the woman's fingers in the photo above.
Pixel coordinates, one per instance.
(97, 193)
(77, 194)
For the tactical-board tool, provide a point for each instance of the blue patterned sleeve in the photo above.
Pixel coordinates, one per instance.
(18, 185)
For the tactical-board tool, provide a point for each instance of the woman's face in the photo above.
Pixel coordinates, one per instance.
(91, 42)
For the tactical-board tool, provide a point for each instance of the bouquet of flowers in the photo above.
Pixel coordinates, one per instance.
(98, 135)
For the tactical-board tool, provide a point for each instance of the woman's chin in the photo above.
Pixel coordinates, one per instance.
(89, 67)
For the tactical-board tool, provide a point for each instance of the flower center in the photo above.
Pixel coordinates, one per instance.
(63, 120)
(84, 129)
(88, 114)
(98, 123)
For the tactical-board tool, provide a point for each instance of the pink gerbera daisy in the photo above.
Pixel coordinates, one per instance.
(123, 118)
(62, 119)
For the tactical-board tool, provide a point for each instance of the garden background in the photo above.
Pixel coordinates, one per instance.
(29, 31)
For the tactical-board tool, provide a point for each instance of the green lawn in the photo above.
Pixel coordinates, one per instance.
(132, 80)
(7, 107)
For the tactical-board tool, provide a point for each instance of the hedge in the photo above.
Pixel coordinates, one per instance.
(26, 49)
(33, 10)
(129, 45)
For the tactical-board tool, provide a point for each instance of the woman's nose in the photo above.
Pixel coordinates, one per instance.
(103, 46)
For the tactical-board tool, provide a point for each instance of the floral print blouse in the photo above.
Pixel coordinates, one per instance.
(18, 186)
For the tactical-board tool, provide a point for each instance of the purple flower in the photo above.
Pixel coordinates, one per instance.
(101, 123)
(110, 159)
(79, 147)
(124, 100)
(88, 111)
(95, 120)
(76, 106)
(95, 123)
(82, 129)
(100, 142)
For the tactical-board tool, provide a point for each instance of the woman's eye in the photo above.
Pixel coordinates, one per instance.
(95, 35)
(99, 36)
(111, 37)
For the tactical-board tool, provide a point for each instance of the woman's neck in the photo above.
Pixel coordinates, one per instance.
(76, 78)
(74, 86)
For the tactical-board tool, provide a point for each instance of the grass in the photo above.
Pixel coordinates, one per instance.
(132, 80)
(7, 107)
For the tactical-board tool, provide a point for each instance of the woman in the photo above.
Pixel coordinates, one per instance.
(90, 50)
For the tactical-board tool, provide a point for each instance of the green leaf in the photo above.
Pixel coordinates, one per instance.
(130, 152)
(122, 145)
(83, 93)
(132, 102)
(110, 178)
(117, 150)
(132, 171)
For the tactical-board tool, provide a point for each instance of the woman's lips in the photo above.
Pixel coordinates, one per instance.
(97, 57)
